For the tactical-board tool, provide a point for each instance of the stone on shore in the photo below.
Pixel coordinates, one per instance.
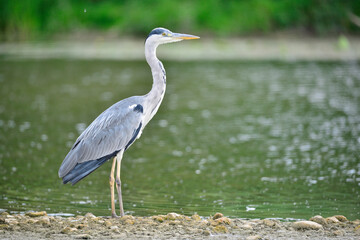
(338, 232)
(341, 218)
(221, 229)
(307, 225)
(217, 215)
(319, 219)
(222, 220)
(128, 219)
(4, 214)
(247, 227)
(331, 220)
(82, 236)
(254, 237)
(36, 214)
(90, 215)
(172, 216)
(45, 221)
(196, 217)
(68, 230)
(158, 218)
(270, 223)
(107, 223)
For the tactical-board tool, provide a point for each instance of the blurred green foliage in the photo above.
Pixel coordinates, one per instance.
(33, 19)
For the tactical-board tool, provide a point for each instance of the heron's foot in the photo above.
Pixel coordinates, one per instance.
(113, 215)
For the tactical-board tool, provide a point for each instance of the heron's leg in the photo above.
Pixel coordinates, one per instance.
(112, 180)
(118, 181)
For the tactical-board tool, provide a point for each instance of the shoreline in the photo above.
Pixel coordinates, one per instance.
(283, 48)
(39, 225)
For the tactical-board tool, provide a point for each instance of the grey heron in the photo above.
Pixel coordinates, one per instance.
(116, 129)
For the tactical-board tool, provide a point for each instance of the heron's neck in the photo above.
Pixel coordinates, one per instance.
(155, 96)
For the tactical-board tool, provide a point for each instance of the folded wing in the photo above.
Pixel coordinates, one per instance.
(112, 131)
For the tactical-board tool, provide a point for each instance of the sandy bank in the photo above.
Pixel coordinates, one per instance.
(287, 48)
(39, 225)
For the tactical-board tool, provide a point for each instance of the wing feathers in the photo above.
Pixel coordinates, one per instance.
(111, 131)
(81, 170)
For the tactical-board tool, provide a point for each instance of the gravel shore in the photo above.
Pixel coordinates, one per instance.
(40, 225)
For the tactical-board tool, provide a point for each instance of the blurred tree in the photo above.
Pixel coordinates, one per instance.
(29, 19)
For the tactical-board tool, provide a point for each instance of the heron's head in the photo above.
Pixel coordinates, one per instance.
(163, 35)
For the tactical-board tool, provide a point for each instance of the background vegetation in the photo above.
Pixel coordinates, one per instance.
(36, 19)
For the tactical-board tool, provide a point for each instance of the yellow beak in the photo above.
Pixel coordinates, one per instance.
(184, 36)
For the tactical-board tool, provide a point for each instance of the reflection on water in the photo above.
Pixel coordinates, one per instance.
(254, 140)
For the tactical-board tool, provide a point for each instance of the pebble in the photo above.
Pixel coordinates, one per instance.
(129, 221)
(36, 214)
(254, 237)
(221, 229)
(90, 215)
(341, 218)
(247, 227)
(186, 218)
(356, 222)
(203, 224)
(81, 226)
(306, 225)
(82, 236)
(318, 219)
(31, 221)
(45, 221)
(206, 232)
(338, 233)
(223, 220)
(4, 226)
(176, 222)
(158, 218)
(121, 236)
(68, 230)
(107, 223)
(196, 217)
(269, 223)
(172, 216)
(11, 220)
(218, 215)
(332, 220)
(127, 217)
(142, 229)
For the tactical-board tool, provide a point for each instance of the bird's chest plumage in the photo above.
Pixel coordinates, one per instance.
(152, 108)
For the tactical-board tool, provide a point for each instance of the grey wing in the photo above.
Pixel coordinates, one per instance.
(113, 130)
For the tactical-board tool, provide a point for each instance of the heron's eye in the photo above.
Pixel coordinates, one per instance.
(164, 34)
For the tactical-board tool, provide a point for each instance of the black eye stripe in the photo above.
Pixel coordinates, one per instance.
(158, 31)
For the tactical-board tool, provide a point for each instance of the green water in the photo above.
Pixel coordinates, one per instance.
(250, 140)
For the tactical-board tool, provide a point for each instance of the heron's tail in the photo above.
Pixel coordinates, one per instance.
(81, 170)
